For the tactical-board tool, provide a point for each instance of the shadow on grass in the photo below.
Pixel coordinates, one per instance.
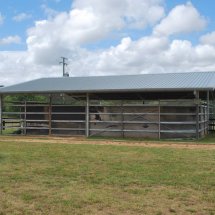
(209, 139)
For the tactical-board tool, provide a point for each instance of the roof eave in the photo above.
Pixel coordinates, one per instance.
(108, 91)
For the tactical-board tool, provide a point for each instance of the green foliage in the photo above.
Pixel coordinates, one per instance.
(20, 99)
(23, 98)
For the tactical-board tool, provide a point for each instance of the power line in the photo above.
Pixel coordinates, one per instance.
(63, 62)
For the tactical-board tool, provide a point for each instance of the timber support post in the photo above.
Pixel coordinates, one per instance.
(25, 118)
(208, 111)
(159, 120)
(122, 118)
(1, 105)
(197, 114)
(87, 118)
(50, 115)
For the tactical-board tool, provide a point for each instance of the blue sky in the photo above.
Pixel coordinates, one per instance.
(206, 8)
(36, 11)
(105, 37)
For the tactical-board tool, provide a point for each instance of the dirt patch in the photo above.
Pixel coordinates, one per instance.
(82, 140)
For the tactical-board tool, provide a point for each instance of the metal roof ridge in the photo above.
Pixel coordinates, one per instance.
(96, 76)
(13, 85)
(158, 79)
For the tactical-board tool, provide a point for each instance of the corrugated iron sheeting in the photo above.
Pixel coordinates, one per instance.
(144, 82)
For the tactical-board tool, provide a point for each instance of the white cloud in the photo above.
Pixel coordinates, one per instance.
(62, 35)
(9, 40)
(49, 12)
(147, 55)
(181, 19)
(155, 54)
(67, 33)
(208, 38)
(117, 13)
(131, 56)
(88, 21)
(16, 68)
(21, 17)
(1, 19)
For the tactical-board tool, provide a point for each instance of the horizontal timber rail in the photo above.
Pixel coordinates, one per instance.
(169, 118)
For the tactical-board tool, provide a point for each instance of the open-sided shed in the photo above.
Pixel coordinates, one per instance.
(168, 105)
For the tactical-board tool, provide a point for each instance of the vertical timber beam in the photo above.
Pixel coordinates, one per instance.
(159, 120)
(87, 112)
(1, 102)
(122, 119)
(25, 118)
(50, 115)
(205, 120)
(208, 111)
(197, 114)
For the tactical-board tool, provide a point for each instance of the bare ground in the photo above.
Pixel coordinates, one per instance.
(83, 140)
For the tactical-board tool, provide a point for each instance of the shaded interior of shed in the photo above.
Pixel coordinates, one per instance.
(159, 115)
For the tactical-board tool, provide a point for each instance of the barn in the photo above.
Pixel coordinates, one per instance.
(167, 105)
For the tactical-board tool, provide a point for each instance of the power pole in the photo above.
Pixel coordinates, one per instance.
(63, 62)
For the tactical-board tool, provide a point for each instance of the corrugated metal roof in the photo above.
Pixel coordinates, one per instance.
(126, 83)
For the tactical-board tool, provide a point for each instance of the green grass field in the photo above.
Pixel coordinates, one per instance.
(41, 178)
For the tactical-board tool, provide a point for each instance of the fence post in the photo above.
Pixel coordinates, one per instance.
(159, 120)
(1, 114)
(50, 115)
(122, 119)
(197, 114)
(208, 111)
(87, 115)
(25, 118)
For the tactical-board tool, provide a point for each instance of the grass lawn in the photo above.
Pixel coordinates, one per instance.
(208, 139)
(41, 178)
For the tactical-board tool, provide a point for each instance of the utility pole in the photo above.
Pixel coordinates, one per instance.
(63, 62)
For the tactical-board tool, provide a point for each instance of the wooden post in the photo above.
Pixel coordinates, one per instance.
(197, 114)
(50, 115)
(122, 119)
(25, 118)
(1, 114)
(87, 133)
(205, 120)
(208, 111)
(159, 120)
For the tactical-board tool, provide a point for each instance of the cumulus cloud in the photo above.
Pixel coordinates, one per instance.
(21, 17)
(131, 56)
(149, 54)
(1, 19)
(49, 12)
(146, 55)
(133, 13)
(156, 54)
(208, 38)
(181, 19)
(9, 40)
(87, 22)
(16, 68)
(49, 39)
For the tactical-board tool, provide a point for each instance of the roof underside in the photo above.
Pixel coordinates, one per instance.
(125, 83)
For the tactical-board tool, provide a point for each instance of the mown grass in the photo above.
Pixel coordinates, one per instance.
(39, 178)
(209, 139)
(9, 131)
